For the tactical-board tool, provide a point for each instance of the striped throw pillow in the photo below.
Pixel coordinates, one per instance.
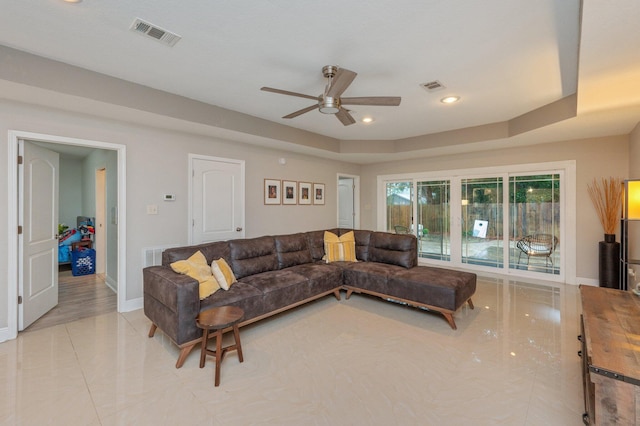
(341, 248)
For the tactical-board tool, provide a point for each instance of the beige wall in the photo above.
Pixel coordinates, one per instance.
(157, 163)
(634, 153)
(595, 158)
(634, 229)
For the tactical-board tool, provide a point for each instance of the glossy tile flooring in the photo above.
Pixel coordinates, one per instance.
(363, 361)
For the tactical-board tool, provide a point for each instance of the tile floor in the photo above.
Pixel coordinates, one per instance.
(512, 361)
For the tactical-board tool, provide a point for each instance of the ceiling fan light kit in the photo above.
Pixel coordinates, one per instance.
(329, 105)
(330, 102)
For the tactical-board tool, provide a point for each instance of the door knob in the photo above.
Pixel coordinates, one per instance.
(238, 229)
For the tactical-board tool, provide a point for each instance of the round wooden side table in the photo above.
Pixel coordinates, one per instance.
(214, 321)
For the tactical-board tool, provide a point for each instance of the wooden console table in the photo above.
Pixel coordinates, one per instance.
(611, 356)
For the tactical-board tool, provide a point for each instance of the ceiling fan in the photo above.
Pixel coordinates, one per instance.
(330, 102)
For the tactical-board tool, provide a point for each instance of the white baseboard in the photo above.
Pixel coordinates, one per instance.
(111, 283)
(132, 305)
(4, 334)
(588, 281)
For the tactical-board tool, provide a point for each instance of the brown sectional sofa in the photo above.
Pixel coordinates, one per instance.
(276, 273)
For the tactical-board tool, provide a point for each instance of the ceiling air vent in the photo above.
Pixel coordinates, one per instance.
(163, 36)
(432, 86)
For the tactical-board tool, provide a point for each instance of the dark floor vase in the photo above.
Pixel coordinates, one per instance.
(609, 261)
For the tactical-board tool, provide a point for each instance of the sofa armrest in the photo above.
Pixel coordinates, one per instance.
(172, 302)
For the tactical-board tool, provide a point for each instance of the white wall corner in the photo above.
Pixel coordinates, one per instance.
(132, 305)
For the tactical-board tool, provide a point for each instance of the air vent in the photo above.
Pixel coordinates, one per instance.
(163, 36)
(432, 86)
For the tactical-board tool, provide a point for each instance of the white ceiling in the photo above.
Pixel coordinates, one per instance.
(503, 57)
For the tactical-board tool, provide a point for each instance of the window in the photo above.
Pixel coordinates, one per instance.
(434, 214)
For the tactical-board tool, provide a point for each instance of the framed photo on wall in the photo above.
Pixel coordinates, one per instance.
(318, 193)
(271, 191)
(289, 192)
(304, 193)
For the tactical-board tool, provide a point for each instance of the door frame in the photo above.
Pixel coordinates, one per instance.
(100, 242)
(12, 217)
(356, 198)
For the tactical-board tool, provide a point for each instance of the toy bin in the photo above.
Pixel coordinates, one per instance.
(83, 262)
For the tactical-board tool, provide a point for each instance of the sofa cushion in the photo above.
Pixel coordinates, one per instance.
(211, 251)
(279, 288)
(401, 250)
(444, 288)
(242, 295)
(315, 241)
(292, 250)
(322, 276)
(197, 268)
(253, 256)
(363, 239)
(342, 248)
(370, 276)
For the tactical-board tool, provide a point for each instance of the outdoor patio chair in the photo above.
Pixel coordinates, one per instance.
(400, 229)
(537, 245)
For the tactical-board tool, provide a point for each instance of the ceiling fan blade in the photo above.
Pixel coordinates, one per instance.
(372, 100)
(286, 92)
(340, 82)
(302, 111)
(344, 117)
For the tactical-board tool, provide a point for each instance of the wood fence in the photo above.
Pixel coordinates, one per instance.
(526, 218)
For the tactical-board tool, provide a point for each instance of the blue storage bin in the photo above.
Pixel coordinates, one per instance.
(83, 262)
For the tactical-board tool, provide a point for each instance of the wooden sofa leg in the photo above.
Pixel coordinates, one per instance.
(450, 320)
(152, 330)
(337, 294)
(349, 292)
(470, 303)
(184, 352)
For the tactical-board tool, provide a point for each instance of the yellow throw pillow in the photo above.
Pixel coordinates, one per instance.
(197, 268)
(223, 273)
(341, 248)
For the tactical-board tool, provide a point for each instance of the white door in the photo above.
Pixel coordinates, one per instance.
(217, 199)
(346, 211)
(38, 257)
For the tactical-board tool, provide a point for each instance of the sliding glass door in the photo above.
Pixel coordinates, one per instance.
(510, 221)
(399, 206)
(534, 217)
(434, 215)
(482, 221)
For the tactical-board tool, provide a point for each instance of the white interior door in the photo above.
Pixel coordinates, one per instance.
(346, 201)
(38, 281)
(217, 199)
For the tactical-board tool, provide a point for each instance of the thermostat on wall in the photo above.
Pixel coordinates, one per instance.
(169, 197)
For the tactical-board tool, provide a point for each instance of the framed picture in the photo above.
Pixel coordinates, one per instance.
(272, 191)
(289, 192)
(318, 193)
(304, 193)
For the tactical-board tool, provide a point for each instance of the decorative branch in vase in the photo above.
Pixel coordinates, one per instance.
(606, 196)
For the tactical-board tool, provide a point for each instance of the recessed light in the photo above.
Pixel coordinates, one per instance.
(450, 99)
(72, 1)
(367, 120)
